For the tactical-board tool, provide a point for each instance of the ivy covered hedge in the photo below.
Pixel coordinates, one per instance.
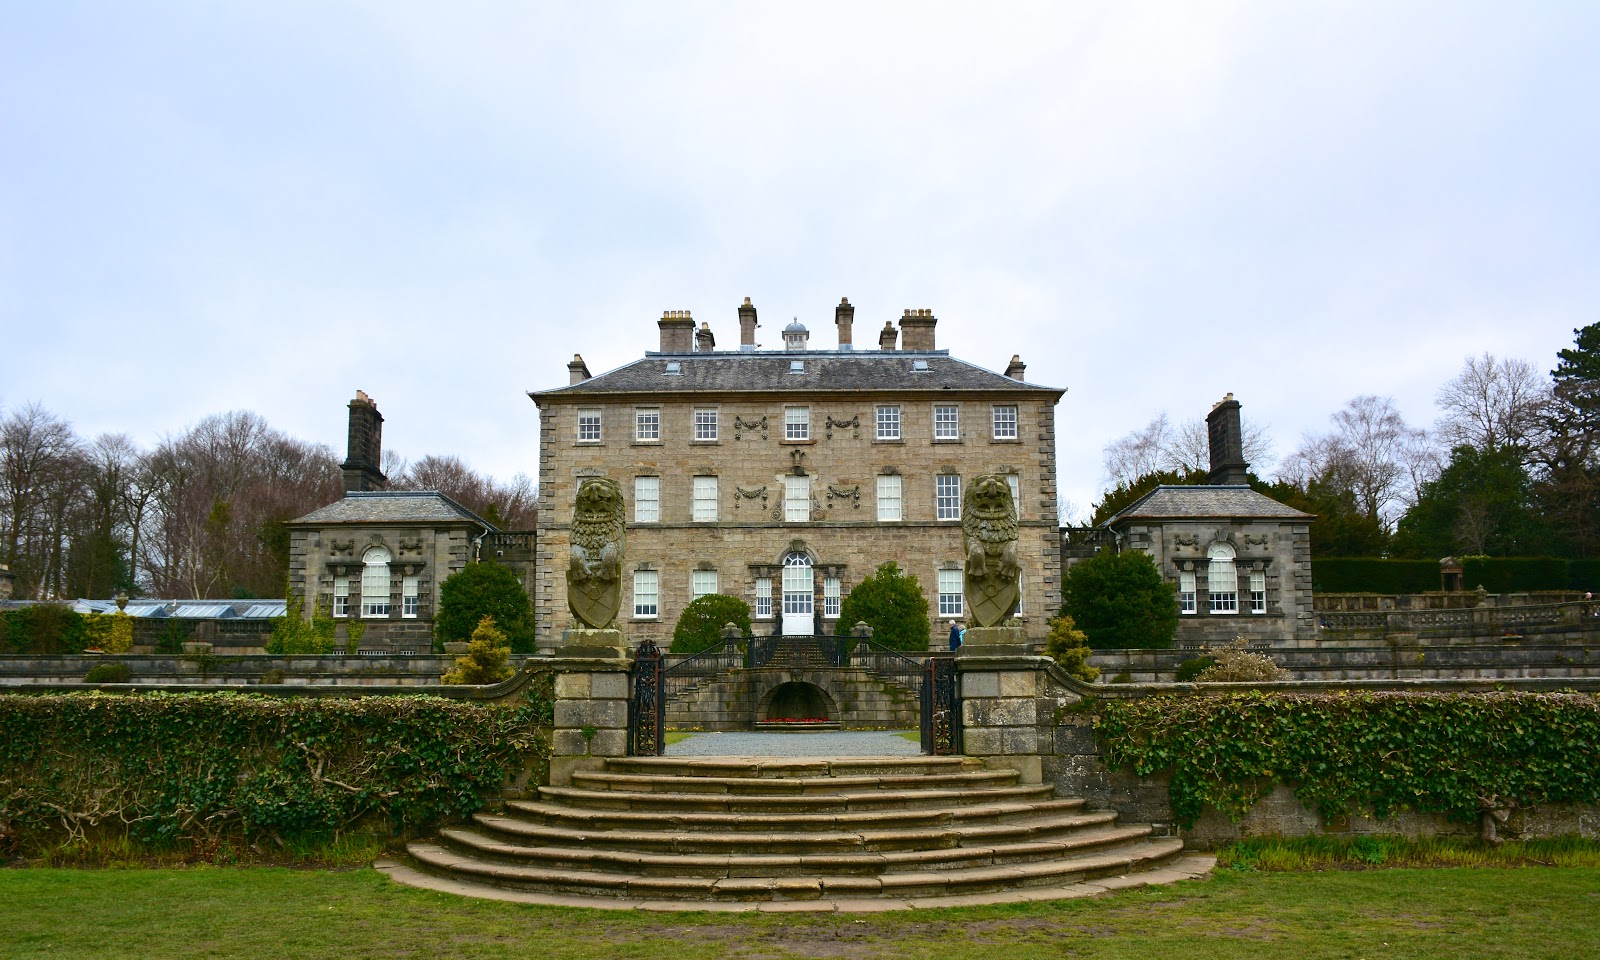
(1453, 754)
(169, 770)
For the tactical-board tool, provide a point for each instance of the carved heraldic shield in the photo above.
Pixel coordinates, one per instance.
(594, 573)
(989, 535)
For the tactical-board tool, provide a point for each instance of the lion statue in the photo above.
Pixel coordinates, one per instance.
(594, 572)
(989, 536)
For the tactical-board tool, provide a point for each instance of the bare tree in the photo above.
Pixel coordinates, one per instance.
(40, 457)
(1372, 453)
(510, 506)
(1160, 447)
(1492, 404)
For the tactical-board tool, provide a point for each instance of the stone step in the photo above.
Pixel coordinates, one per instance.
(807, 803)
(758, 861)
(790, 767)
(666, 783)
(1134, 855)
(701, 838)
(559, 815)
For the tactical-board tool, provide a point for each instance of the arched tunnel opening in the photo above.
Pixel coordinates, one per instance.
(797, 701)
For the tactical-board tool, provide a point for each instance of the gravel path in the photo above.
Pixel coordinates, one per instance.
(832, 743)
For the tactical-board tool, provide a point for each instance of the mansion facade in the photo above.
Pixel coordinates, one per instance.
(785, 477)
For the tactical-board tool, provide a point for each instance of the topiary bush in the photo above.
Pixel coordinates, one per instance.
(892, 604)
(1068, 646)
(1120, 601)
(700, 625)
(485, 660)
(478, 590)
(108, 673)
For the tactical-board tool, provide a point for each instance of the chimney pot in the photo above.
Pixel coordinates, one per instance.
(747, 326)
(916, 328)
(844, 317)
(1225, 434)
(704, 340)
(677, 331)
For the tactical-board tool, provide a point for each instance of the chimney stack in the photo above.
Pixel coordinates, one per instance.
(844, 317)
(362, 465)
(887, 336)
(1226, 435)
(747, 326)
(1016, 368)
(577, 370)
(677, 331)
(917, 328)
(704, 340)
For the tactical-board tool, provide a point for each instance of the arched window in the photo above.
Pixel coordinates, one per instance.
(375, 583)
(1222, 579)
(797, 594)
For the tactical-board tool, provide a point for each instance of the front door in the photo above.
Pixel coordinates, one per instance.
(797, 586)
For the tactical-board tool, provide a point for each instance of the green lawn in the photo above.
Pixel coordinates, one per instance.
(274, 912)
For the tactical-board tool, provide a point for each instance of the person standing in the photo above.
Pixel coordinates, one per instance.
(955, 636)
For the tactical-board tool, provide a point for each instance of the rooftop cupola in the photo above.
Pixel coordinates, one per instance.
(795, 335)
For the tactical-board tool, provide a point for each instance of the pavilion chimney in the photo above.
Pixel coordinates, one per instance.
(677, 331)
(747, 326)
(704, 340)
(577, 370)
(887, 336)
(1016, 368)
(916, 326)
(844, 317)
(361, 466)
(1226, 435)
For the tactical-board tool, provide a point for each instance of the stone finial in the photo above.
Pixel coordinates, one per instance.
(989, 538)
(594, 567)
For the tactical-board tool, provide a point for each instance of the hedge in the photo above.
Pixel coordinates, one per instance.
(1514, 574)
(175, 770)
(1454, 754)
(1373, 575)
(1583, 575)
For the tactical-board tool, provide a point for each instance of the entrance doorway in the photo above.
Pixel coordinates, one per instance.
(797, 602)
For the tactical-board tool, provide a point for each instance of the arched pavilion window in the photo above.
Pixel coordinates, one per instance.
(1222, 579)
(375, 583)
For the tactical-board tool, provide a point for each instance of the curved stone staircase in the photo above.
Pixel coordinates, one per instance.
(857, 833)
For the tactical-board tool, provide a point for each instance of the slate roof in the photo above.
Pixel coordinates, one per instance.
(768, 371)
(1171, 502)
(394, 506)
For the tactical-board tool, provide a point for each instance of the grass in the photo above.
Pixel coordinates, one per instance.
(275, 912)
(915, 736)
(1358, 852)
(678, 737)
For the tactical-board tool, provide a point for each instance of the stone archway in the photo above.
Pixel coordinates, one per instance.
(797, 700)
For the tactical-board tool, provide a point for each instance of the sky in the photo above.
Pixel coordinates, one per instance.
(232, 206)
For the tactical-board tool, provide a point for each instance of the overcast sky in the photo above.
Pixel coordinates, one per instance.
(212, 206)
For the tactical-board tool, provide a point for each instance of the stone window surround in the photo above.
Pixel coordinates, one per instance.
(647, 420)
(951, 602)
(954, 429)
(705, 424)
(399, 570)
(947, 506)
(1005, 420)
(797, 424)
(1245, 566)
(583, 417)
(704, 498)
(887, 423)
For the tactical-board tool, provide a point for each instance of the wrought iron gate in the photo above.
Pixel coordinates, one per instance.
(654, 683)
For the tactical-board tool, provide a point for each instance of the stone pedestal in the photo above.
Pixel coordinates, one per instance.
(1008, 709)
(590, 644)
(994, 642)
(591, 708)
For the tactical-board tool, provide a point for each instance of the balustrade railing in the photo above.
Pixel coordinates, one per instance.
(1472, 620)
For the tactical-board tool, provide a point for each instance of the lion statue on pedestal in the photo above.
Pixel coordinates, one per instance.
(989, 536)
(594, 570)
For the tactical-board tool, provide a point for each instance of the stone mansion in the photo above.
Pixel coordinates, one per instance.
(784, 477)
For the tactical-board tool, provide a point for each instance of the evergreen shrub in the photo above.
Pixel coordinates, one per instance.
(700, 625)
(1121, 601)
(485, 660)
(891, 603)
(168, 771)
(109, 673)
(478, 590)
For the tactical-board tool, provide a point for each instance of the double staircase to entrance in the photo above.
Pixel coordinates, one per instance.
(860, 833)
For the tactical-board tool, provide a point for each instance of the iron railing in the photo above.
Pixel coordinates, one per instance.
(803, 651)
(647, 708)
(941, 707)
(712, 663)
